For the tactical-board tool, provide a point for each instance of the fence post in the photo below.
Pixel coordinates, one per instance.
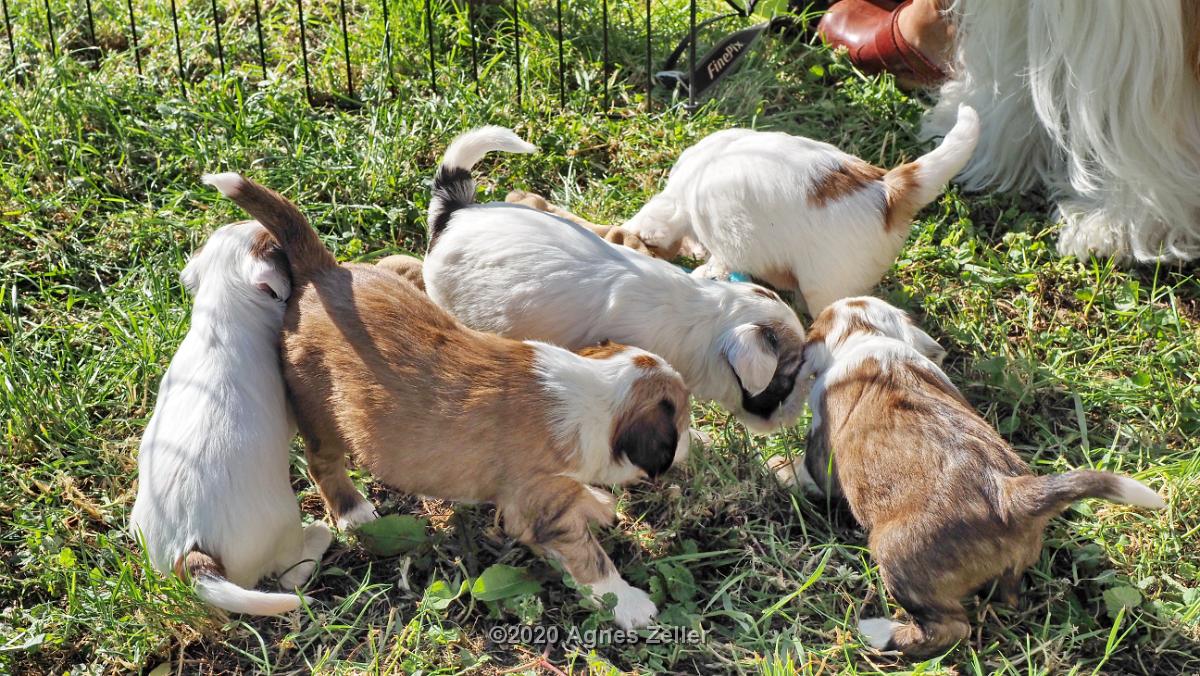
(95, 48)
(432, 58)
(304, 53)
(387, 46)
(50, 30)
(217, 27)
(517, 44)
(604, 32)
(137, 58)
(346, 48)
(12, 49)
(692, 57)
(474, 44)
(178, 51)
(649, 63)
(562, 86)
(262, 49)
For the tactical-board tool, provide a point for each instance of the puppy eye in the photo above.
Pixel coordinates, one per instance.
(771, 338)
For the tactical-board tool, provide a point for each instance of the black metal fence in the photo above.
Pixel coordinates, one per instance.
(86, 47)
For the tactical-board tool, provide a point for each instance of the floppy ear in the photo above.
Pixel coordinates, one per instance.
(926, 345)
(271, 281)
(648, 437)
(751, 357)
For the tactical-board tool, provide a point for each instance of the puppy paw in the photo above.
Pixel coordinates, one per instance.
(657, 238)
(692, 249)
(363, 512)
(317, 537)
(297, 575)
(634, 608)
(793, 475)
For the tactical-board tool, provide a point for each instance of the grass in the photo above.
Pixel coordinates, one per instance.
(1078, 363)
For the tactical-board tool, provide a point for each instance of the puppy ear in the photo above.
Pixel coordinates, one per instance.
(648, 437)
(925, 344)
(750, 355)
(271, 281)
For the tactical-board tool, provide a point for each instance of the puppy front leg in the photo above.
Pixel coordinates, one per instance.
(554, 517)
(327, 467)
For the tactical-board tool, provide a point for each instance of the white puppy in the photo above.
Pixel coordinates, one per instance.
(797, 213)
(214, 501)
(526, 274)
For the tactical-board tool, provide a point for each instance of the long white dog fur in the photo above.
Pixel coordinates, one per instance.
(526, 274)
(797, 213)
(214, 500)
(1099, 100)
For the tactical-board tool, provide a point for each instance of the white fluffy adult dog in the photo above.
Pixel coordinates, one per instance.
(214, 503)
(526, 274)
(1099, 100)
(797, 213)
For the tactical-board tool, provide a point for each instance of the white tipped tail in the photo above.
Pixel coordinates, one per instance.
(920, 182)
(1133, 492)
(228, 596)
(453, 187)
(228, 183)
(470, 147)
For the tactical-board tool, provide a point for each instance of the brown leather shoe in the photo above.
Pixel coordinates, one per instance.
(871, 36)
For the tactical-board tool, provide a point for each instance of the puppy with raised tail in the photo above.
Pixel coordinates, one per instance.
(796, 213)
(948, 504)
(214, 501)
(527, 274)
(434, 408)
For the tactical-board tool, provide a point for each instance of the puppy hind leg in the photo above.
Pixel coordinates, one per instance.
(555, 519)
(327, 467)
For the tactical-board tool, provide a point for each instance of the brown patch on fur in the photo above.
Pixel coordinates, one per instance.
(949, 506)
(408, 267)
(645, 361)
(842, 180)
(196, 564)
(603, 350)
(857, 303)
(902, 205)
(264, 247)
(853, 324)
(646, 429)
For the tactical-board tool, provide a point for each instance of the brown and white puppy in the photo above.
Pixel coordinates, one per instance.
(949, 506)
(431, 407)
(797, 213)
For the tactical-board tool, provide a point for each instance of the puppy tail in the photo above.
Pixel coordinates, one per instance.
(453, 187)
(208, 576)
(305, 252)
(913, 185)
(1048, 495)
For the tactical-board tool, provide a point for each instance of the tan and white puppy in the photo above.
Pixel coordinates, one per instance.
(215, 501)
(948, 504)
(796, 213)
(434, 408)
(530, 275)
